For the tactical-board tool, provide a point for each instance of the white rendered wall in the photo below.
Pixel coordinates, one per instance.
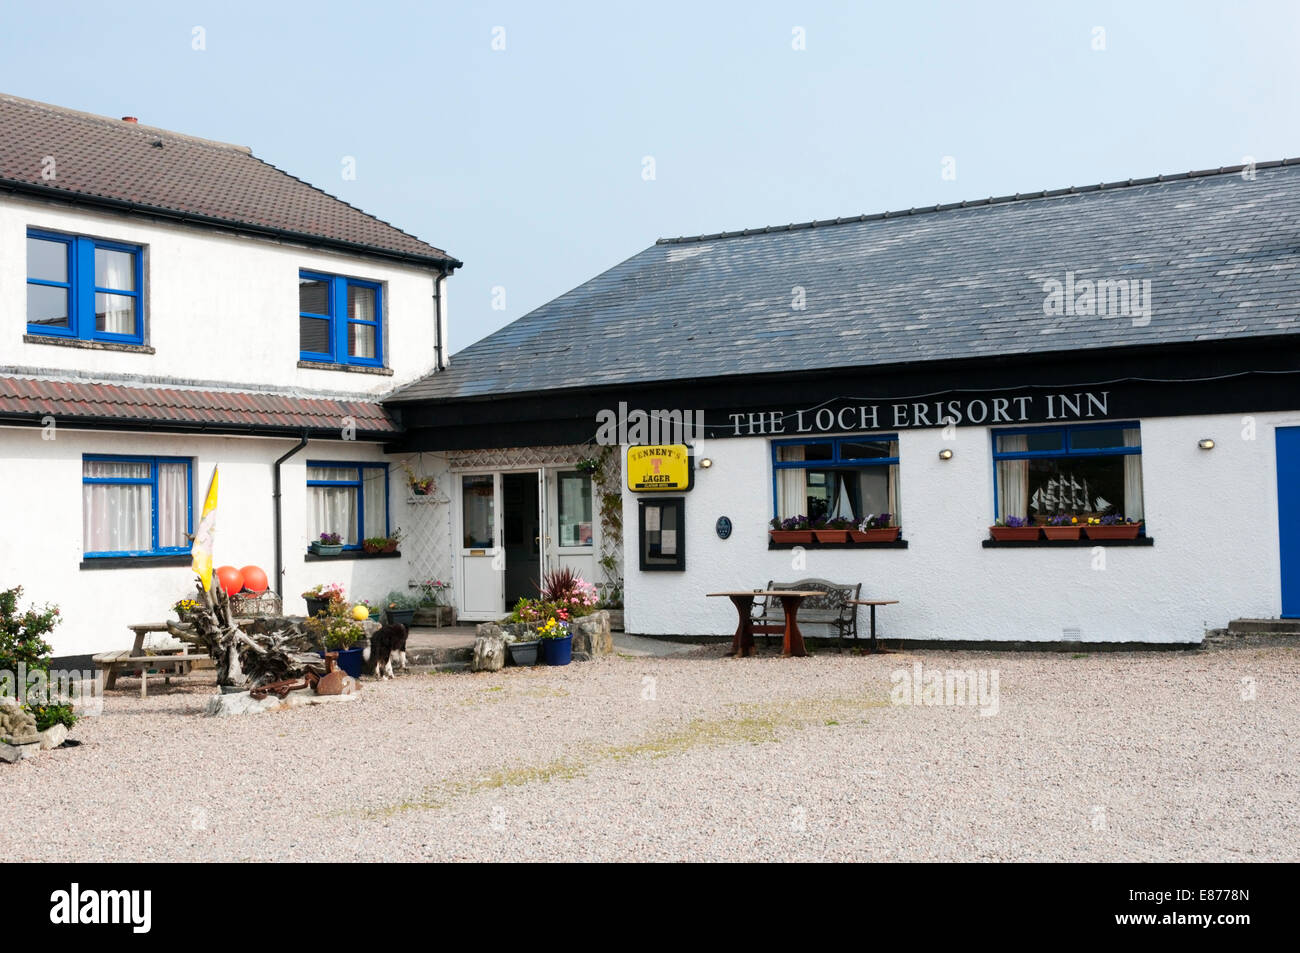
(41, 532)
(219, 307)
(1212, 514)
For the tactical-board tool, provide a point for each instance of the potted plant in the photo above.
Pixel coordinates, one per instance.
(1112, 526)
(557, 642)
(420, 485)
(1014, 529)
(831, 529)
(587, 465)
(391, 541)
(374, 544)
(335, 630)
(432, 602)
(321, 595)
(1061, 526)
(875, 529)
(522, 643)
(186, 608)
(329, 544)
(400, 608)
(793, 529)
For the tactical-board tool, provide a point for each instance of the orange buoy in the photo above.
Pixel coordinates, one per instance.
(254, 578)
(232, 580)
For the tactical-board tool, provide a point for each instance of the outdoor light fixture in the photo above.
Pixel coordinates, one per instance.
(945, 454)
(1206, 443)
(705, 463)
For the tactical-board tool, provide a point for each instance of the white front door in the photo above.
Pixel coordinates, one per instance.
(481, 557)
(573, 532)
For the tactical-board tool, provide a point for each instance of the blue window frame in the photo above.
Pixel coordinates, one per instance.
(136, 506)
(1083, 470)
(340, 320)
(854, 477)
(347, 498)
(84, 288)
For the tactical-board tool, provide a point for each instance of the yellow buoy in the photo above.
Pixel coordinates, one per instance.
(360, 613)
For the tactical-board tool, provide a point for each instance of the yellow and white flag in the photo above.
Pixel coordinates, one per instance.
(202, 550)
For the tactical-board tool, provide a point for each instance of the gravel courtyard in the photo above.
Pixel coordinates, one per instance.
(1145, 756)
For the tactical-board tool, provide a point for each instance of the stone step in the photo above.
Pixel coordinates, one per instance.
(1264, 627)
(433, 656)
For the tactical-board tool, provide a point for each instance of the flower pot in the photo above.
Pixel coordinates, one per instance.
(1062, 532)
(557, 651)
(390, 546)
(791, 535)
(349, 660)
(1014, 534)
(371, 548)
(316, 606)
(885, 535)
(1118, 531)
(525, 653)
(321, 549)
(399, 616)
(831, 535)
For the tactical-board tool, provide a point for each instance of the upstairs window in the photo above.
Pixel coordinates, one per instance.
(1089, 470)
(340, 320)
(848, 477)
(84, 288)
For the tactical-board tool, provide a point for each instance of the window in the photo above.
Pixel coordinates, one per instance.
(135, 506)
(478, 502)
(1086, 470)
(350, 499)
(84, 288)
(573, 490)
(339, 320)
(662, 534)
(850, 477)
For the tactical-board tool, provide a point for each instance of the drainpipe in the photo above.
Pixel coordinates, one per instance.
(279, 531)
(437, 317)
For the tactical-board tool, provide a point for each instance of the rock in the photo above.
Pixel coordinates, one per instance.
(17, 722)
(591, 636)
(489, 649)
(242, 703)
(9, 753)
(53, 736)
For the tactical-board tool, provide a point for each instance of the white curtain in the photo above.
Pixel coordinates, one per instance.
(1013, 479)
(792, 485)
(332, 509)
(361, 337)
(173, 505)
(374, 484)
(116, 518)
(1133, 475)
(115, 269)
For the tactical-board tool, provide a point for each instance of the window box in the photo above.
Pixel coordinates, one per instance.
(885, 535)
(831, 535)
(1118, 531)
(1014, 534)
(1062, 532)
(791, 536)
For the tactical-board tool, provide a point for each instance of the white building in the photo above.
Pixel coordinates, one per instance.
(169, 303)
(1129, 349)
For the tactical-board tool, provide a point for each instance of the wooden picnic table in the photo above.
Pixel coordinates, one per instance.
(175, 661)
(743, 599)
(872, 603)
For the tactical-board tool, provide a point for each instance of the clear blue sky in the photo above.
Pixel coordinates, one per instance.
(526, 163)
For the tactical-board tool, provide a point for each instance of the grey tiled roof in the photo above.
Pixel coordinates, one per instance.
(97, 159)
(1222, 254)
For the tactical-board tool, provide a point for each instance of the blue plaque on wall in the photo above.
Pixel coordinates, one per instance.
(723, 527)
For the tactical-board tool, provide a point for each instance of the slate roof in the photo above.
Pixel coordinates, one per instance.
(109, 161)
(183, 409)
(1222, 253)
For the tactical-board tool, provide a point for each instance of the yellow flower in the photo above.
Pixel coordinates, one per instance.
(1074, 519)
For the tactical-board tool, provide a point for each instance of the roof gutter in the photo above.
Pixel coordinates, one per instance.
(279, 528)
(244, 228)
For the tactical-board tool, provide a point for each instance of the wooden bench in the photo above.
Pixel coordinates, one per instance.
(115, 663)
(832, 609)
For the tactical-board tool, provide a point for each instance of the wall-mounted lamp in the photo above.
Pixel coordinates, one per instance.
(945, 454)
(1205, 443)
(705, 463)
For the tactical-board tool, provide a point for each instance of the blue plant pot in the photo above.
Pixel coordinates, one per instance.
(349, 660)
(557, 651)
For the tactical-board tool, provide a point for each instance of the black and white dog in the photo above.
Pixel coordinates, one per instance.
(386, 646)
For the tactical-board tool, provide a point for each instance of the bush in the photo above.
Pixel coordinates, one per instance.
(53, 714)
(334, 628)
(22, 635)
(401, 600)
(565, 588)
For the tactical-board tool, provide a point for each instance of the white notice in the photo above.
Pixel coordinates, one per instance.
(668, 542)
(652, 519)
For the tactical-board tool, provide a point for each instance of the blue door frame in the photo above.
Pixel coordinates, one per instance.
(1288, 517)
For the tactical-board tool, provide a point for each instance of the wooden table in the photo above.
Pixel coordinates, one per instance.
(177, 660)
(743, 599)
(873, 603)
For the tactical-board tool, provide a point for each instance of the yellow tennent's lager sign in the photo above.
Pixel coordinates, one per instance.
(664, 467)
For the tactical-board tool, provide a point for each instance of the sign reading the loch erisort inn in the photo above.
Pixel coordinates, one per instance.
(897, 415)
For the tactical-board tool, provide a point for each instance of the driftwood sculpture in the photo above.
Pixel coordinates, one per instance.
(270, 651)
